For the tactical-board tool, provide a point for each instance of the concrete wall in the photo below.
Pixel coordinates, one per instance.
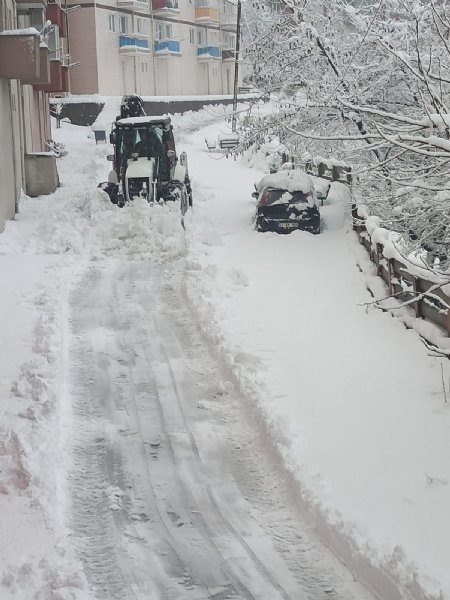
(11, 132)
(8, 189)
(83, 49)
(41, 174)
(85, 113)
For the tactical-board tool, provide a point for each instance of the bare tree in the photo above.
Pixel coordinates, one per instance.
(368, 83)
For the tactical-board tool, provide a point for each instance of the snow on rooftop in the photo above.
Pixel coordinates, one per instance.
(143, 120)
(26, 31)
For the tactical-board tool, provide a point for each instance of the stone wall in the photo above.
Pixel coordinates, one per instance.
(85, 113)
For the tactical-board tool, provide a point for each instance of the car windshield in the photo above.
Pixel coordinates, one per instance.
(285, 197)
(142, 141)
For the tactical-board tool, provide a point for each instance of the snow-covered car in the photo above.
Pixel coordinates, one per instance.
(287, 201)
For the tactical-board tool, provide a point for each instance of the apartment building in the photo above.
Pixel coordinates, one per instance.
(31, 67)
(11, 164)
(153, 47)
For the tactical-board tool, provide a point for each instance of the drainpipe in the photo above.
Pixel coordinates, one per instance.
(236, 66)
(152, 39)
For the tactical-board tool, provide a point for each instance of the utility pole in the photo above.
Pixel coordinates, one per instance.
(236, 66)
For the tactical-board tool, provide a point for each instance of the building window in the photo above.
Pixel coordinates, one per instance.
(199, 37)
(159, 31)
(53, 41)
(123, 24)
(192, 36)
(228, 41)
(168, 32)
(112, 23)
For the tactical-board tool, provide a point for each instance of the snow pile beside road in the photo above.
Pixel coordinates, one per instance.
(37, 257)
(349, 400)
(47, 225)
(35, 559)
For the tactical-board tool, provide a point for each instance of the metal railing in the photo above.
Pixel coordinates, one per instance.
(209, 51)
(167, 46)
(130, 41)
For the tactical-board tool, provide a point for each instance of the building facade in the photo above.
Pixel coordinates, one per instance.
(153, 47)
(32, 42)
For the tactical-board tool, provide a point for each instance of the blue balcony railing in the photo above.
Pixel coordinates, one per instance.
(206, 51)
(167, 46)
(125, 40)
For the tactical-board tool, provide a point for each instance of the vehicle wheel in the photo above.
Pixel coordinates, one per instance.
(112, 189)
(184, 201)
(187, 183)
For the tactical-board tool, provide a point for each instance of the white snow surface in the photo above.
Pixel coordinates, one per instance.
(349, 398)
(292, 181)
(25, 31)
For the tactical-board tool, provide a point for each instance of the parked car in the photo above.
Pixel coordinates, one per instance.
(287, 201)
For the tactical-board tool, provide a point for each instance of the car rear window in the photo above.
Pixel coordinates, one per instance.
(283, 196)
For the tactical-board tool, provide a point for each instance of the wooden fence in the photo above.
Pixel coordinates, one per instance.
(334, 173)
(428, 302)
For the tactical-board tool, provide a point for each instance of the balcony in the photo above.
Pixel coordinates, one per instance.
(206, 14)
(20, 56)
(136, 4)
(44, 74)
(167, 48)
(129, 44)
(209, 53)
(59, 79)
(56, 15)
(165, 7)
(228, 21)
(228, 55)
(24, 5)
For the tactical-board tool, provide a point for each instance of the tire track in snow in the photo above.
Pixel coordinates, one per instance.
(164, 338)
(92, 519)
(156, 513)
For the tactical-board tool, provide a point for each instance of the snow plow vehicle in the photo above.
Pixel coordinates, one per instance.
(145, 163)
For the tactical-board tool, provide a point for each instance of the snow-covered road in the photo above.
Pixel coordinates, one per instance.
(186, 410)
(159, 455)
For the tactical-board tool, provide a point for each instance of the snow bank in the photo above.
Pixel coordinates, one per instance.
(41, 253)
(348, 397)
(139, 230)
